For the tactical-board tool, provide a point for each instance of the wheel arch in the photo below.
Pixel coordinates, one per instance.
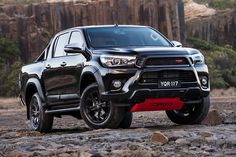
(32, 86)
(90, 75)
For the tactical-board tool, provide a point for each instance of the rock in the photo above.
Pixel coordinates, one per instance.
(219, 28)
(64, 155)
(210, 149)
(33, 24)
(182, 141)
(206, 134)
(213, 118)
(231, 152)
(192, 148)
(38, 148)
(159, 137)
(16, 153)
(86, 154)
(194, 10)
(230, 120)
(174, 135)
(195, 144)
(197, 141)
(231, 140)
(211, 140)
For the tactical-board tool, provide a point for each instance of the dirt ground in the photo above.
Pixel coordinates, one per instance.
(71, 137)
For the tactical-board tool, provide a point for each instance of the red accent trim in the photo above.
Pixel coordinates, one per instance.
(158, 104)
(179, 60)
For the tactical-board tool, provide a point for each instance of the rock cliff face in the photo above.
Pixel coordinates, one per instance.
(32, 25)
(218, 26)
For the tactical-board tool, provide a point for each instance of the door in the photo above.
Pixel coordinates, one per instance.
(52, 74)
(72, 70)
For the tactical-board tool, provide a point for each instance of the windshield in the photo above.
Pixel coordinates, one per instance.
(125, 37)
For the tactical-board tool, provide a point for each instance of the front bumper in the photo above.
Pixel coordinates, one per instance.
(134, 92)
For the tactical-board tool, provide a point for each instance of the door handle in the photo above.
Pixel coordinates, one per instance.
(48, 66)
(63, 64)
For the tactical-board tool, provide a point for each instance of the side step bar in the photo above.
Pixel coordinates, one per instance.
(62, 110)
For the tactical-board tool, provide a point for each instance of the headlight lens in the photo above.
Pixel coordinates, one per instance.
(198, 58)
(116, 60)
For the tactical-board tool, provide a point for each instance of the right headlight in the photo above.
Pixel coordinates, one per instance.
(198, 58)
(117, 60)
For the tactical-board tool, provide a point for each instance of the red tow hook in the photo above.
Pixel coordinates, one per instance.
(158, 104)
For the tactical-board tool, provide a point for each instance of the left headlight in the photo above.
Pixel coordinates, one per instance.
(198, 58)
(116, 60)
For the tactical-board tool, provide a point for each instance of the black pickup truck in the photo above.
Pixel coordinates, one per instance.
(105, 73)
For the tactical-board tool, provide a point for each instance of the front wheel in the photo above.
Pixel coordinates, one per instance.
(127, 120)
(98, 113)
(192, 114)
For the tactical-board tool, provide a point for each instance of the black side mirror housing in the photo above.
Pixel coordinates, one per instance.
(76, 48)
(73, 48)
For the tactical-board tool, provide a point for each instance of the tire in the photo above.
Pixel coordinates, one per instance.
(97, 113)
(191, 114)
(127, 120)
(39, 121)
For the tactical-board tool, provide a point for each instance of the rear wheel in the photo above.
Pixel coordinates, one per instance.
(192, 114)
(98, 113)
(39, 121)
(127, 120)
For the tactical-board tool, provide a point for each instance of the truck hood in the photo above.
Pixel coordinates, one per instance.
(148, 51)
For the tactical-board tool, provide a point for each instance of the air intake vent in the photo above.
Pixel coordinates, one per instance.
(167, 61)
(181, 75)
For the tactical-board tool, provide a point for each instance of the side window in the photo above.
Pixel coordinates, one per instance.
(47, 51)
(41, 57)
(61, 41)
(77, 38)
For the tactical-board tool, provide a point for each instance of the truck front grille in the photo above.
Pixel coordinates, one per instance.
(166, 61)
(180, 75)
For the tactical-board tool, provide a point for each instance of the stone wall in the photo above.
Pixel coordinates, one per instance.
(219, 28)
(33, 25)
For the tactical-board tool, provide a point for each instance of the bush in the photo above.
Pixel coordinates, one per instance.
(10, 65)
(219, 4)
(221, 62)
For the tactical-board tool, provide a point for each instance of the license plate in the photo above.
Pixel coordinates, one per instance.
(169, 84)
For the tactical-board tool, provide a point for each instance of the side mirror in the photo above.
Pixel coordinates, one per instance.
(76, 48)
(73, 48)
(176, 44)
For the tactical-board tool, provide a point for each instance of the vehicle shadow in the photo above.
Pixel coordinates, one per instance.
(69, 130)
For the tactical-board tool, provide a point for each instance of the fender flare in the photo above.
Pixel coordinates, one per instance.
(95, 72)
(36, 83)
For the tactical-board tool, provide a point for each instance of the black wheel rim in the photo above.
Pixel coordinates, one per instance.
(35, 113)
(186, 111)
(96, 110)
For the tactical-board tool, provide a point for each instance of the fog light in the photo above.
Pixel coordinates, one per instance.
(204, 80)
(116, 83)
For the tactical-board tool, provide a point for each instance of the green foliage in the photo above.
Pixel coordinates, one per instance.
(46, 34)
(10, 65)
(11, 85)
(8, 49)
(221, 62)
(219, 4)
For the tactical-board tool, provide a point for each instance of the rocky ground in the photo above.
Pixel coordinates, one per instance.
(151, 134)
